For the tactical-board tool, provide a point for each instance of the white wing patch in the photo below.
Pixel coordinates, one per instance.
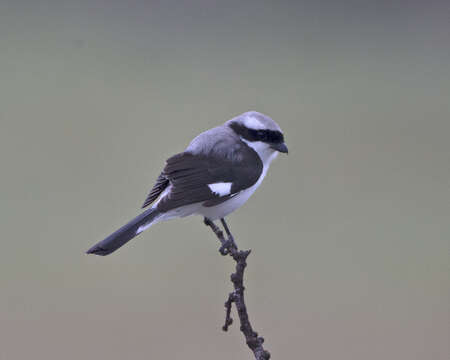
(221, 188)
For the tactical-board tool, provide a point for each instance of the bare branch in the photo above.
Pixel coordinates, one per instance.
(228, 247)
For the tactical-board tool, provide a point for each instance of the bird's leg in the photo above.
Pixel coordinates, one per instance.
(224, 243)
(229, 235)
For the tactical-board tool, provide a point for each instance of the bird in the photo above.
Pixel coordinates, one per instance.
(215, 175)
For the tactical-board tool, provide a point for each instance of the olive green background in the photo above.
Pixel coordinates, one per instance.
(350, 231)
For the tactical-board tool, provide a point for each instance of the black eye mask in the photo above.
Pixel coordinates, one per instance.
(268, 136)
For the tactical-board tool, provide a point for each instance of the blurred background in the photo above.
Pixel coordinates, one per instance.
(350, 232)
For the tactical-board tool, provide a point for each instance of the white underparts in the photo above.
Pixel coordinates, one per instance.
(221, 188)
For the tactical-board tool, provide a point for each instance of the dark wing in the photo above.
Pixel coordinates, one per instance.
(161, 183)
(189, 175)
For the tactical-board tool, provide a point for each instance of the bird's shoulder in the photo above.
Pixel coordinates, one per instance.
(220, 142)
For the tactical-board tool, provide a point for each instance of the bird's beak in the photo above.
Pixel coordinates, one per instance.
(281, 147)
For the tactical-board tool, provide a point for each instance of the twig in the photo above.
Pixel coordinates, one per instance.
(228, 247)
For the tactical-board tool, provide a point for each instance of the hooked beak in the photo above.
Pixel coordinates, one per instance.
(281, 147)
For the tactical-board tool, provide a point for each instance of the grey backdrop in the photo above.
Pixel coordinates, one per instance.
(350, 232)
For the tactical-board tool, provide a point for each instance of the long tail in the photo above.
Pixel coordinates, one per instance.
(125, 233)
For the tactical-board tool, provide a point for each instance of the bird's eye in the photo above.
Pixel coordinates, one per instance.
(262, 135)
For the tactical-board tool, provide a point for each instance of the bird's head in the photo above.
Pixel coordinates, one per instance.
(261, 133)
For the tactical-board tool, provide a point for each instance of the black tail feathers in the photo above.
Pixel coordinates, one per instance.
(124, 234)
